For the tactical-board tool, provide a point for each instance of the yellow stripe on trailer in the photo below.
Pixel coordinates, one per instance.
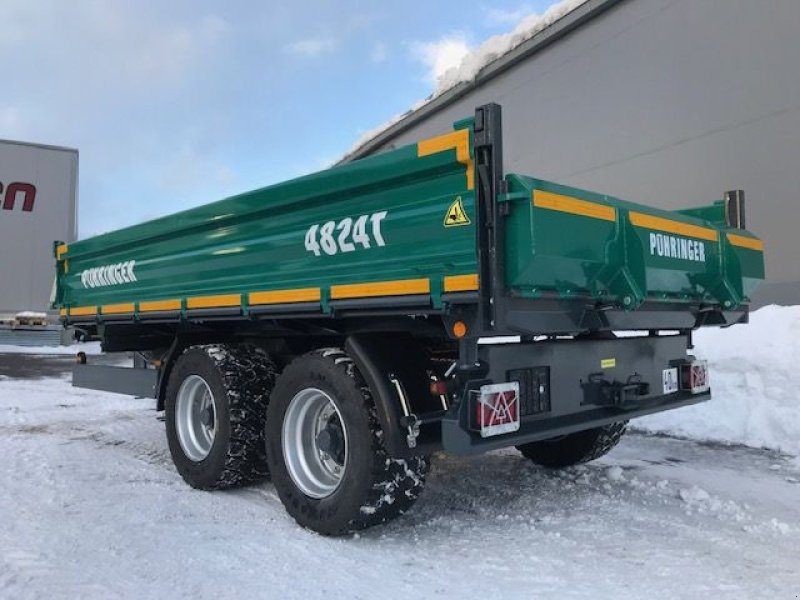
(400, 287)
(82, 311)
(220, 301)
(458, 140)
(461, 283)
(285, 296)
(670, 226)
(573, 206)
(159, 305)
(746, 242)
(61, 250)
(117, 309)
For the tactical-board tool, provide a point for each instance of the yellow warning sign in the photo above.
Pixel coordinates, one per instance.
(456, 215)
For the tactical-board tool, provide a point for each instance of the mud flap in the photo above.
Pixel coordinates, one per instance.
(390, 363)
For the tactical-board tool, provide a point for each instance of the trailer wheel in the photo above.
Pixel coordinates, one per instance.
(325, 449)
(215, 407)
(574, 448)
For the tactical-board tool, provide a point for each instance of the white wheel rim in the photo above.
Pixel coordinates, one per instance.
(314, 443)
(195, 418)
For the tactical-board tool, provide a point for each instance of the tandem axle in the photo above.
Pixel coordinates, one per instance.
(559, 386)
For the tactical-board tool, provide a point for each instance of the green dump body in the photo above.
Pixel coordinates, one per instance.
(402, 225)
(575, 242)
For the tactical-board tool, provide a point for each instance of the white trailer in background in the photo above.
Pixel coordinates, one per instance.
(38, 190)
(38, 194)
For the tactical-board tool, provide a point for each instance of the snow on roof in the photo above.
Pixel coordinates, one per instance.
(471, 65)
(375, 131)
(499, 45)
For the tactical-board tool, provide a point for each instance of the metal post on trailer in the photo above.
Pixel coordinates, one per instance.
(488, 144)
(734, 209)
(490, 232)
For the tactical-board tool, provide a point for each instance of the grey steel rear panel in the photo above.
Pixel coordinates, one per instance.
(572, 363)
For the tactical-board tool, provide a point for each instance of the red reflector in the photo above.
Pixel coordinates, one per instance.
(694, 377)
(439, 388)
(497, 409)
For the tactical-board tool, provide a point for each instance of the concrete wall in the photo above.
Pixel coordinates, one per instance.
(669, 103)
(27, 232)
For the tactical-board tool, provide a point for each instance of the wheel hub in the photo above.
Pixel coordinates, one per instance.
(195, 418)
(331, 442)
(207, 417)
(314, 443)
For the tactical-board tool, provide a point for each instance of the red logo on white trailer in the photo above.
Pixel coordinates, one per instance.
(25, 191)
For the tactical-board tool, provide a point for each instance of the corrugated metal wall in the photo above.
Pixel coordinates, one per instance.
(669, 103)
(52, 335)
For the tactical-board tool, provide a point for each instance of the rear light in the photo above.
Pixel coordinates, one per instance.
(439, 388)
(694, 377)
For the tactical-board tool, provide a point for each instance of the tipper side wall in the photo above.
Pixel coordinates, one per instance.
(402, 224)
(375, 228)
(575, 242)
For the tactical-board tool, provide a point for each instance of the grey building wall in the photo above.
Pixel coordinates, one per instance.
(27, 266)
(663, 102)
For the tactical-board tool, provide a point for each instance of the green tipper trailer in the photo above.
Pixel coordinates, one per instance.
(334, 330)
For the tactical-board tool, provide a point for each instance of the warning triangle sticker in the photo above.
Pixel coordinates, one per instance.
(456, 215)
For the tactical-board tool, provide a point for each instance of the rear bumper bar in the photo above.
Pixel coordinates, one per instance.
(459, 440)
(570, 385)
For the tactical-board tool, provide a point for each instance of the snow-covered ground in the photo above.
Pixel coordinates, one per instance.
(91, 507)
(90, 348)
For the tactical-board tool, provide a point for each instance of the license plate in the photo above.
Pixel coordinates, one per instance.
(670, 380)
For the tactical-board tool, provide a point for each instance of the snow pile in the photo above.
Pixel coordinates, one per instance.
(498, 45)
(755, 382)
(88, 348)
(28, 314)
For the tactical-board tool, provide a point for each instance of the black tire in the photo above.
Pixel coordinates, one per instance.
(374, 487)
(240, 379)
(574, 448)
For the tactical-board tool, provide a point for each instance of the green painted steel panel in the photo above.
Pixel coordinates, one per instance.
(575, 242)
(257, 241)
(383, 220)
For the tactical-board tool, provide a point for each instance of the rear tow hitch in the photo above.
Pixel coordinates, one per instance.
(602, 392)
